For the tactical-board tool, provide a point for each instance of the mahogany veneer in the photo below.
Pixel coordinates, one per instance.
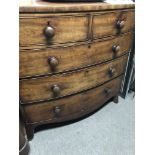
(72, 58)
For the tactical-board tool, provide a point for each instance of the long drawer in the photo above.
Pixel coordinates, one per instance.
(51, 61)
(107, 24)
(71, 107)
(56, 86)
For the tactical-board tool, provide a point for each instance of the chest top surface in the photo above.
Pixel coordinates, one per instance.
(28, 6)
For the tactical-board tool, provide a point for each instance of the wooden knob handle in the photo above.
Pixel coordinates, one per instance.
(116, 48)
(57, 110)
(49, 32)
(53, 62)
(112, 71)
(56, 90)
(107, 90)
(120, 24)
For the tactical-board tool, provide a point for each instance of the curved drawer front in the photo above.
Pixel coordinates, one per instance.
(113, 23)
(39, 62)
(72, 107)
(46, 29)
(37, 89)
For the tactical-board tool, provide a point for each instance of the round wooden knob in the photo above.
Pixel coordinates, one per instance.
(112, 71)
(56, 90)
(57, 110)
(53, 62)
(120, 24)
(107, 90)
(49, 32)
(116, 48)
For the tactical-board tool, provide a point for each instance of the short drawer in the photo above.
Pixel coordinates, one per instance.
(52, 29)
(72, 107)
(113, 23)
(51, 61)
(56, 86)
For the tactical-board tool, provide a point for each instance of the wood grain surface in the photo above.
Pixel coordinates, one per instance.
(73, 106)
(35, 62)
(87, 73)
(104, 24)
(70, 28)
(29, 6)
(37, 89)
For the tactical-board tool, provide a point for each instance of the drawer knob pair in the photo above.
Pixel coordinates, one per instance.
(49, 32)
(56, 90)
(53, 62)
(120, 24)
(116, 48)
(112, 71)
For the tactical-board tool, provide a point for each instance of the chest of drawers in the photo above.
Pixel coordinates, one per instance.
(72, 58)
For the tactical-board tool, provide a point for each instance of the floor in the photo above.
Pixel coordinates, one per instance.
(109, 131)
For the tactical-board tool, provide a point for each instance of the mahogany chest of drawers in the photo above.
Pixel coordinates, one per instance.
(72, 58)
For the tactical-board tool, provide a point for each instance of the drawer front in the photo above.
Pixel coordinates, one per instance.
(45, 30)
(41, 62)
(113, 23)
(72, 107)
(51, 87)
